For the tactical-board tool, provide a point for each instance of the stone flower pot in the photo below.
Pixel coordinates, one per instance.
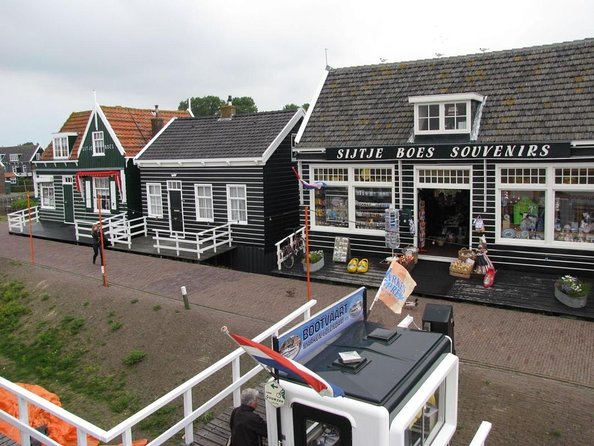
(314, 266)
(570, 301)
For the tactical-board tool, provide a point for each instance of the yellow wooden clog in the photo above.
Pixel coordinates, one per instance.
(353, 265)
(363, 266)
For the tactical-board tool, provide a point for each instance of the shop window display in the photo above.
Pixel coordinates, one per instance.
(573, 217)
(523, 215)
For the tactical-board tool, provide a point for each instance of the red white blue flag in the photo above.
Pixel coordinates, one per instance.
(268, 357)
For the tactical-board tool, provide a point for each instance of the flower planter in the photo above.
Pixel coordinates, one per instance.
(573, 302)
(314, 266)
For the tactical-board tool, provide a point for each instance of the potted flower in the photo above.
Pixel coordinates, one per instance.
(571, 291)
(316, 261)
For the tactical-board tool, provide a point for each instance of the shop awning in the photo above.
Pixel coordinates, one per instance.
(98, 173)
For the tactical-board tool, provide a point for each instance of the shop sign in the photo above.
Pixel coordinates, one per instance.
(525, 150)
(304, 340)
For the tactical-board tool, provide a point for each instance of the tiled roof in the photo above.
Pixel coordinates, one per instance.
(243, 136)
(543, 93)
(76, 123)
(133, 125)
(26, 151)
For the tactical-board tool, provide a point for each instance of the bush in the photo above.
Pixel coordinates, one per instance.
(134, 357)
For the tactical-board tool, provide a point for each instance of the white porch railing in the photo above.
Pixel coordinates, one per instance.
(282, 253)
(195, 243)
(124, 429)
(117, 229)
(481, 434)
(18, 220)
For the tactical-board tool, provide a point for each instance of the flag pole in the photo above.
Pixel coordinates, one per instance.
(101, 247)
(31, 246)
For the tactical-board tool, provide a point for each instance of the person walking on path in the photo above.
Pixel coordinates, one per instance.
(247, 427)
(95, 232)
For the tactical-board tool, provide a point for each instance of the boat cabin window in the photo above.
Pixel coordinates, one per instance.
(427, 421)
(314, 427)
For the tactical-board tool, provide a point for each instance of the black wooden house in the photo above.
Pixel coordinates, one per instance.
(204, 172)
(504, 138)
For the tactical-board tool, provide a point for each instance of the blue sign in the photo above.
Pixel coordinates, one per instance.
(306, 339)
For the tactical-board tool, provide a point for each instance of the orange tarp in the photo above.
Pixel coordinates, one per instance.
(57, 429)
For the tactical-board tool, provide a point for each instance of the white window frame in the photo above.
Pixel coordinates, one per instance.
(106, 199)
(442, 118)
(14, 157)
(549, 187)
(207, 201)
(61, 149)
(442, 100)
(154, 209)
(351, 184)
(45, 186)
(232, 198)
(98, 143)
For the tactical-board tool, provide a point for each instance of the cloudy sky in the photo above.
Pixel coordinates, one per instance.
(138, 53)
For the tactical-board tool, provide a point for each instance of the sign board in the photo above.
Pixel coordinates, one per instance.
(342, 249)
(307, 338)
(274, 393)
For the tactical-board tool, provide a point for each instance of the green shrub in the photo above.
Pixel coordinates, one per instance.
(134, 357)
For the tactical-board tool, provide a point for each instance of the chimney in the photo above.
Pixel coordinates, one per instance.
(227, 110)
(156, 122)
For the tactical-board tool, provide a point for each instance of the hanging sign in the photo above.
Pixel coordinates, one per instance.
(274, 394)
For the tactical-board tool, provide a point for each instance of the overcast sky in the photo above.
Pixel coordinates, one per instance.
(138, 53)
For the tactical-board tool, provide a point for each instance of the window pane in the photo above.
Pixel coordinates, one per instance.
(102, 188)
(423, 111)
(331, 207)
(370, 206)
(573, 221)
(523, 215)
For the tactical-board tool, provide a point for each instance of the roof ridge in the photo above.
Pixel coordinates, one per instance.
(524, 49)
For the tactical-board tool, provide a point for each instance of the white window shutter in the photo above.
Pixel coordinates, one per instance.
(88, 196)
(113, 194)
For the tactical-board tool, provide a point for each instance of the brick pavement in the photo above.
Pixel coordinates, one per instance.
(519, 352)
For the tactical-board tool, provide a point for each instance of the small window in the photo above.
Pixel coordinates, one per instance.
(237, 203)
(204, 207)
(47, 198)
(61, 147)
(102, 195)
(154, 200)
(98, 145)
(443, 118)
(14, 157)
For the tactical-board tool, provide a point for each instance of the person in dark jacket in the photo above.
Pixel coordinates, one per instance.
(96, 243)
(247, 427)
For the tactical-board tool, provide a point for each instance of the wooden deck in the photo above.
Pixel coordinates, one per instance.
(5, 441)
(518, 290)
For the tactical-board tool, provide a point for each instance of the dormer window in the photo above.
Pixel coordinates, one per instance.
(61, 147)
(98, 145)
(14, 157)
(444, 114)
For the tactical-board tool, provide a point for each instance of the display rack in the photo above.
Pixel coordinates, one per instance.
(370, 205)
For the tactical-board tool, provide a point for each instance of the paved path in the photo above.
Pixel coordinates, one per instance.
(514, 350)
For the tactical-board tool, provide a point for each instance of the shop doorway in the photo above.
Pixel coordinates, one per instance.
(444, 221)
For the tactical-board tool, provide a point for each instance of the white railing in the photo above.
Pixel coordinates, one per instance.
(124, 429)
(18, 220)
(122, 230)
(481, 434)
(282, 253)
(195, 243)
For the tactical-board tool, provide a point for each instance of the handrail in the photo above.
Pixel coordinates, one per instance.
(199, 242)
(18, 220)
(124, 428)
(280, 255)
(481, 434)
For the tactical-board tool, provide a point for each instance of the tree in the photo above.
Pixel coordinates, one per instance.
(244, 104)
(210, 105)
(204, 106)
(292, 106)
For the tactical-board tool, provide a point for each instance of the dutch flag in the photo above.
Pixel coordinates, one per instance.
(268, 357)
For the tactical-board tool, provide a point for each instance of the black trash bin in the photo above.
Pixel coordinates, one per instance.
(439, 319)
